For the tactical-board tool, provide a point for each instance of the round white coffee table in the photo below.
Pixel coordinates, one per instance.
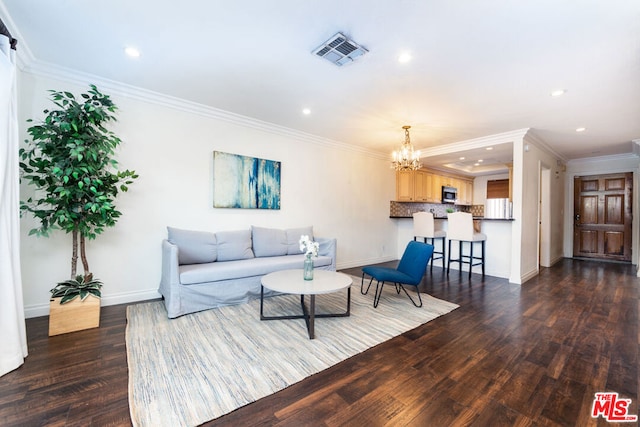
(292, 282)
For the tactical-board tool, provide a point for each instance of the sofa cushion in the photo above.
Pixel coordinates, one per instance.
(233, 245)
(194, 247)
(217, 271)
(268, 241)
(293, 238)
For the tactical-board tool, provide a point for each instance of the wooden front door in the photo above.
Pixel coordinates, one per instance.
(602, 216)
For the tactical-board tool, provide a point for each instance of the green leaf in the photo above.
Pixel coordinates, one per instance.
(70, 150)
(68, 298)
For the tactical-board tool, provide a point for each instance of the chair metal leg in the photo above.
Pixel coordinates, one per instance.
(433, 243)
(419, 297)
(470, 258)
(483, 258)
(449, 261)
(399, 286)
(376, 298)
(460, 257)
(362, 285)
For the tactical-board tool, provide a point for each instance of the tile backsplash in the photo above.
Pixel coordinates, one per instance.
(477, 210)
(407, 209)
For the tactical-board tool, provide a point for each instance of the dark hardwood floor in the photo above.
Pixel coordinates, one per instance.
(530, 355)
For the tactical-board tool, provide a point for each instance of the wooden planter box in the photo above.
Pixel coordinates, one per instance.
(73, 316)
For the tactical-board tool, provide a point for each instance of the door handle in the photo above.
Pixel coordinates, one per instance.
(577, 218)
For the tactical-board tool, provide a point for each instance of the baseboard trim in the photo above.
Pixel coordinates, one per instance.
(529, 275)
(38, 310)
(363, 262)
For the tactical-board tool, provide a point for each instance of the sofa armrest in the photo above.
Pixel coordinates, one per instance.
(170, 278)
(328, 247)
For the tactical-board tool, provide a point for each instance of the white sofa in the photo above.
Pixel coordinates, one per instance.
(203, 270)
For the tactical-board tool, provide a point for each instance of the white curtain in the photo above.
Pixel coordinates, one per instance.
(13, 337)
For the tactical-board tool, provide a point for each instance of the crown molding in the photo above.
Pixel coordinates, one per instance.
(533, 138)
(54, 71)
(600, 159)
(470, 144)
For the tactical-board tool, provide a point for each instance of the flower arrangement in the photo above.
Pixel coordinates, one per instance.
(308, 246)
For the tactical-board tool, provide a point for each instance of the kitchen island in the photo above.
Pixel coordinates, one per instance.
(497, 246)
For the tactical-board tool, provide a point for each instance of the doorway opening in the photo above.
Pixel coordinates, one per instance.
(602, 217)
(544, 217)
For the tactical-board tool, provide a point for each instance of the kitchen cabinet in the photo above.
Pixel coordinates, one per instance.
(414, 186)
(404, 186)
(457, 183)
(424, 185)
(469, 187)
(465, 191)
(436, 188)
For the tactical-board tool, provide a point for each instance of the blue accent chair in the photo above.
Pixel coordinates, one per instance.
(410, 271)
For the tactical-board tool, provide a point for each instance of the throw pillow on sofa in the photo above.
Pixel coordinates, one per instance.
(269, 241)
(293, 238)
(233, 245)
(194, 247)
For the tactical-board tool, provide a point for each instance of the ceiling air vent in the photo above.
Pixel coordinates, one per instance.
(340, 50)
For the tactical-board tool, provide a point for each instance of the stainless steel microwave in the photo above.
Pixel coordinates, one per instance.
(449, 194)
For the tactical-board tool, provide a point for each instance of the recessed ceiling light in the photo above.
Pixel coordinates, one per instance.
(480, 161)
(461, 158)
(558, 92)
(489, 148)
(306, 111)
(132, 52)
(476, 164)
(580, 129)
(404, 57)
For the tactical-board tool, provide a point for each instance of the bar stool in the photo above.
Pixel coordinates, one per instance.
(424, 227)
(461, 229)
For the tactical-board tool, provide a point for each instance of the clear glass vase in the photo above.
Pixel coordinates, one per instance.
(308, 268)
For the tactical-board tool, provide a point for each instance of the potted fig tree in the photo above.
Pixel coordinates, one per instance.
(70, 160)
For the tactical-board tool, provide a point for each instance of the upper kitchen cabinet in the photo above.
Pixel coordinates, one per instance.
(465, 191)
(424, 185)
(404, 186)
(414, 186)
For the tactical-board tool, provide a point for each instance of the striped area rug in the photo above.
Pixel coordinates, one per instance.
(198, 367)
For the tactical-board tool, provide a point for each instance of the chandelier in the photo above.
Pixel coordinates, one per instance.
(405, 159)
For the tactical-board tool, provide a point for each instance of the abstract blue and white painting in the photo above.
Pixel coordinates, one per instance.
(245, 182)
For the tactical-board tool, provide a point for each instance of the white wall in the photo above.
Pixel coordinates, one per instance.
(530, 155)
(342, 191)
